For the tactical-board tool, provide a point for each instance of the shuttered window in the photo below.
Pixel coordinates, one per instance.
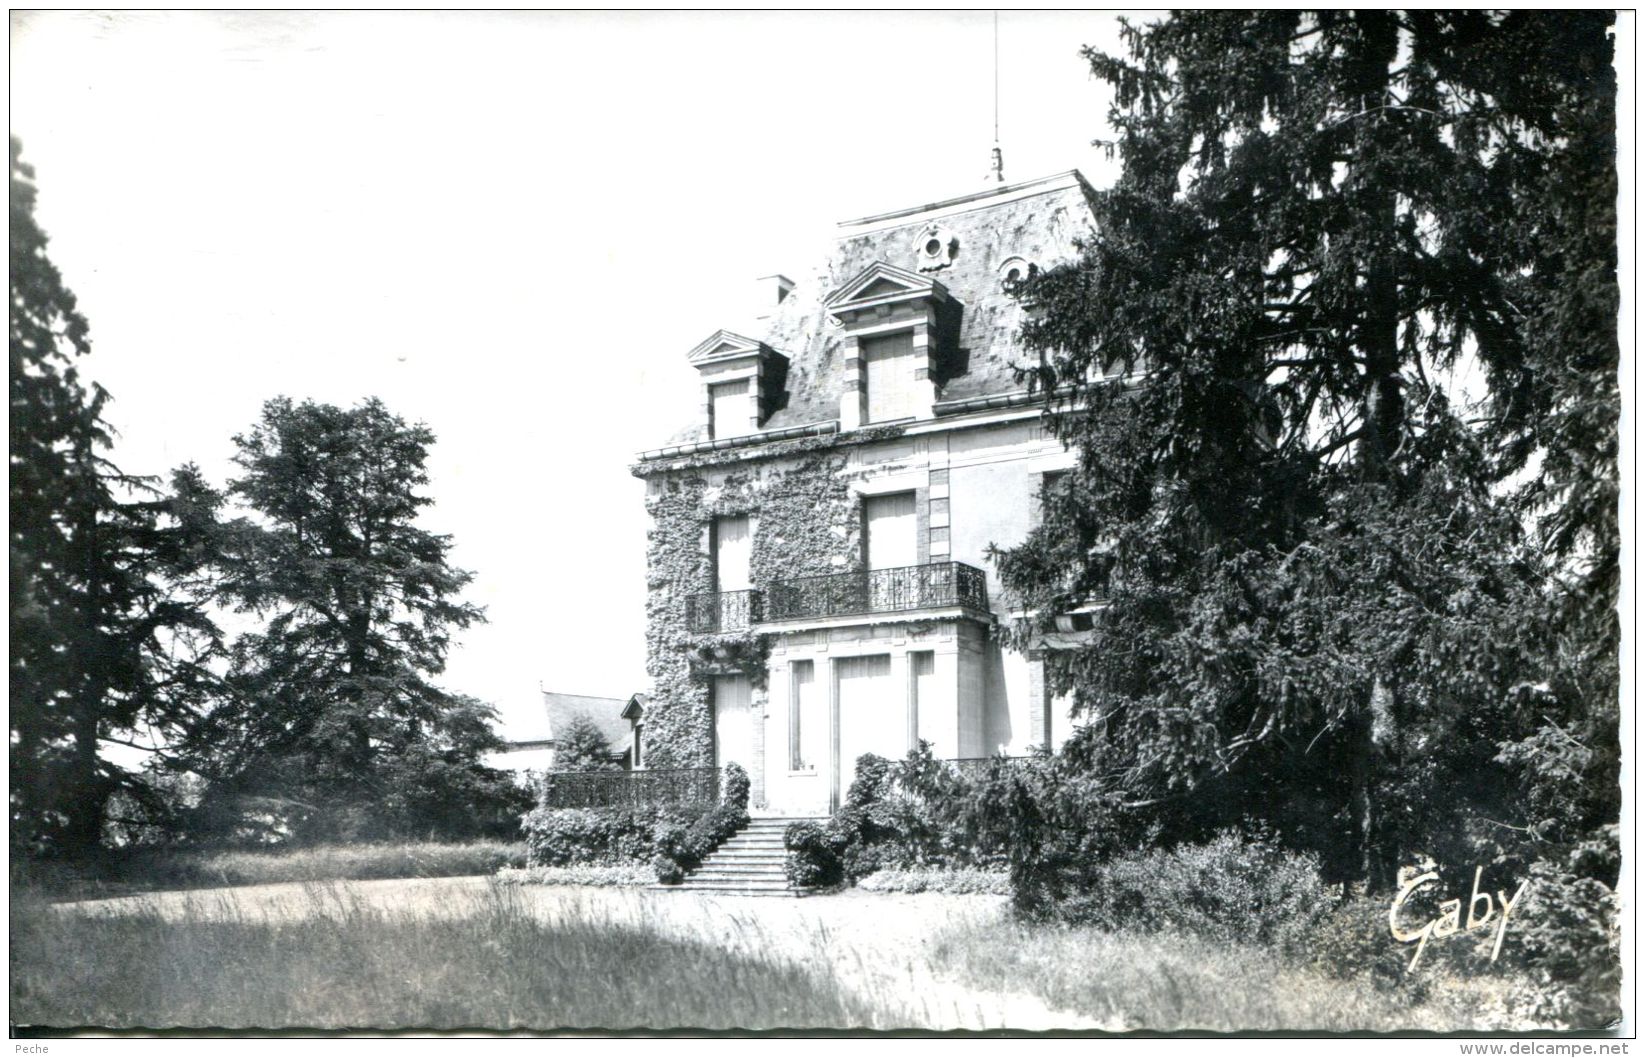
(872, 713)
(733, 543)
(729, 413)
(733, 735)
(891, 529)
(888, 363)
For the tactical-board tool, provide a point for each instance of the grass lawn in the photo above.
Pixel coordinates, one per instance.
(348, 963)
(468, 953)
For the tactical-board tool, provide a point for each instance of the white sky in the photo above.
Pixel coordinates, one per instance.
(509, 226)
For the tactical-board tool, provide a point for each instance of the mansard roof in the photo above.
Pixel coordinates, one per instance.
(1038, 222)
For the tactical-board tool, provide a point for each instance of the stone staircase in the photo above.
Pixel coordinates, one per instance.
(749, 863)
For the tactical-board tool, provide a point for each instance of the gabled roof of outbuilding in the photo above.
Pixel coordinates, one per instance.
(607, 713)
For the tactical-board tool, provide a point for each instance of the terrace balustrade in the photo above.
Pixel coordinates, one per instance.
(602, 789)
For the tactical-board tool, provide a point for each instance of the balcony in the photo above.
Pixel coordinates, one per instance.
(933, 585)
(722, 611)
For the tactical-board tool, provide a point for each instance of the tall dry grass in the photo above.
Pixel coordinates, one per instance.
(349, 964)
(1179, 982)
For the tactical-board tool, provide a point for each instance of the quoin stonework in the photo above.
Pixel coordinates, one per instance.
(818, 575)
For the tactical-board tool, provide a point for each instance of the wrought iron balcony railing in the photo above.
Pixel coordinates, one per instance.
(723, 611)
(600, 789)
(878, 591)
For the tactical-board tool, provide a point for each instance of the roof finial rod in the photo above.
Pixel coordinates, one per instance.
(996, 167)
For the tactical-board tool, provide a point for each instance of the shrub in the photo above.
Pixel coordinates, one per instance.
(558, 837)
(812, 859)
(1234, 888)
(736, 786)
(710, 830)
(939, 817)
(862, 834)
(667, 869)
(1566, 935)
(1351, 941)
(914, 813)
(961, 881)
(681, 847)
(670, 839)
(582, 874)
(871, 783)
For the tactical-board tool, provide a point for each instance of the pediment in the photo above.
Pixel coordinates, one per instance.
(724, 345)
(882, 286)
(884, 281)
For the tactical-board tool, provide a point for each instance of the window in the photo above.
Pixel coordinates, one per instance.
(891, 531)
(805, 727)
(922, 687)
(729, 414)
(733, 541)
(888, 372)
(639, 761)
(1051, 483)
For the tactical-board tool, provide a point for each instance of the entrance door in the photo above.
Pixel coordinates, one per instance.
(733, 734)
(872, 717)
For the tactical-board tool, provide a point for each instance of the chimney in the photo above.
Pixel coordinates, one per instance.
(770, 291)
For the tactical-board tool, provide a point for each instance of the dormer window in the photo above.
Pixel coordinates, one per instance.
(634, 713)
(889, 317)
(741, 381)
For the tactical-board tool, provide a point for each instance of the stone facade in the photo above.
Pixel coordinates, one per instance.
(824, 657)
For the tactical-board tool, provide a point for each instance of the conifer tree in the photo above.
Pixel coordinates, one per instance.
(1330, 564)
(582, 746)
(332, 695)
(109, 642)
